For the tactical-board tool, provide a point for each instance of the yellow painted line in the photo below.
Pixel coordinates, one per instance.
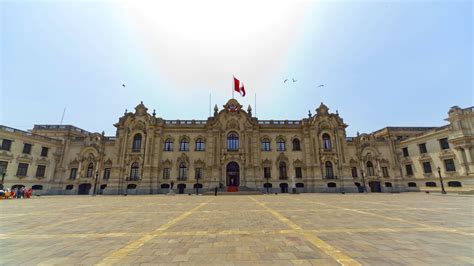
(334, 253)
(117, 255)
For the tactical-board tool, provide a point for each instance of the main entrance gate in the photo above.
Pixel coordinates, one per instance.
(233, 176)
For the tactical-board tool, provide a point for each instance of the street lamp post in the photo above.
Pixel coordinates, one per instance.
(95, 182)
(342, 185)
(441, 181)
(197, 185)
(363, 180)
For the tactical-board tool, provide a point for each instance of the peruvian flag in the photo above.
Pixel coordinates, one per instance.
(239, 87)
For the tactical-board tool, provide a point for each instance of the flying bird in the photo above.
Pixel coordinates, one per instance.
(322, 85)
(285, 80)
(123, 85)
(294, 80)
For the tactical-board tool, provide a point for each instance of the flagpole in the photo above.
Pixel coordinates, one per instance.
(255, 105)
(232, 86)
(209, 104)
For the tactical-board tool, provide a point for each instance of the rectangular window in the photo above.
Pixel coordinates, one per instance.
(384, 171)
(422, 147)
(449, 165)
(106, 173)
(427, 167)
(27, 148)
(298, 173)
(166, 173)
(40, 171)
(3, 167)
(198, 173)
(44, 151)
(22, 169)
(443, 143)
(73, 174)
(405, 152)
(408, 169)
(267, 173)
(354, 172)
(6, 145)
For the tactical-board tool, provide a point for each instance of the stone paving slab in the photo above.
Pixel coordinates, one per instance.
(304, 229)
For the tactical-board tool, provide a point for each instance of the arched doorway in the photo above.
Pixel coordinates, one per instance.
(181, 188)
(84, 189)
(284, 187)
(233, 176)
(375, 186)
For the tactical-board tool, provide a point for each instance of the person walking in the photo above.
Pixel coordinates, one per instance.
(215, 191)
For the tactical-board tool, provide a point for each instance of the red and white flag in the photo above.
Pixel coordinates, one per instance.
(239, 87)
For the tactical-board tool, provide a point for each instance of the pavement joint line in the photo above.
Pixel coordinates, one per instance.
(117, 255)
(334, 253)
(223, 232)
(435, 228)
(440, 210)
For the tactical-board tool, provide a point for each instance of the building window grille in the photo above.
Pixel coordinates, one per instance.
(329, 170)
(449, 165)
(265, 145)
(27, 148)
(134, 172)
(73, 174)
(199, 145)
(327, 142)
(233, 142)
(370, 169)
(22, 169)
(443, 143)
(281, 145)
(296, 145)
(422, 147)
(137, 142)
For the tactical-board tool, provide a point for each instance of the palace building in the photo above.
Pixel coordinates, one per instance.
(238, 152)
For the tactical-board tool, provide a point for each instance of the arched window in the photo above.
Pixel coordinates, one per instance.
(296, 145)
(168, 145)
(329, 171)
(233, 142)
(199, 145)
(90, 170)
(137, 142)
(182, 171)
(265, 144)
(134, 172)
(184, 145)
(370, 169)
(280, 145)
(282, 168)
(327, 142)
(454, 184)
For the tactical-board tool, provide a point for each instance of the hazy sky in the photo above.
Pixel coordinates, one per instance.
(383, 63)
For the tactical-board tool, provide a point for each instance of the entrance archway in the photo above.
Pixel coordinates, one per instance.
(284, 187)
(84, 189)
(375, 186)
(233, 174)
(181, 188)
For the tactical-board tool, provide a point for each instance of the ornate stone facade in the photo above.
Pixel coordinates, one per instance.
(236, 151)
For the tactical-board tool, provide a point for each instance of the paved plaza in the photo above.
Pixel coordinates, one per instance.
(305, 229)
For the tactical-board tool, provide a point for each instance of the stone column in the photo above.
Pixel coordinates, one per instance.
(460, 159)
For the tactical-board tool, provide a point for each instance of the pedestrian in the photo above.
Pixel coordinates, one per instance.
(215, 191)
